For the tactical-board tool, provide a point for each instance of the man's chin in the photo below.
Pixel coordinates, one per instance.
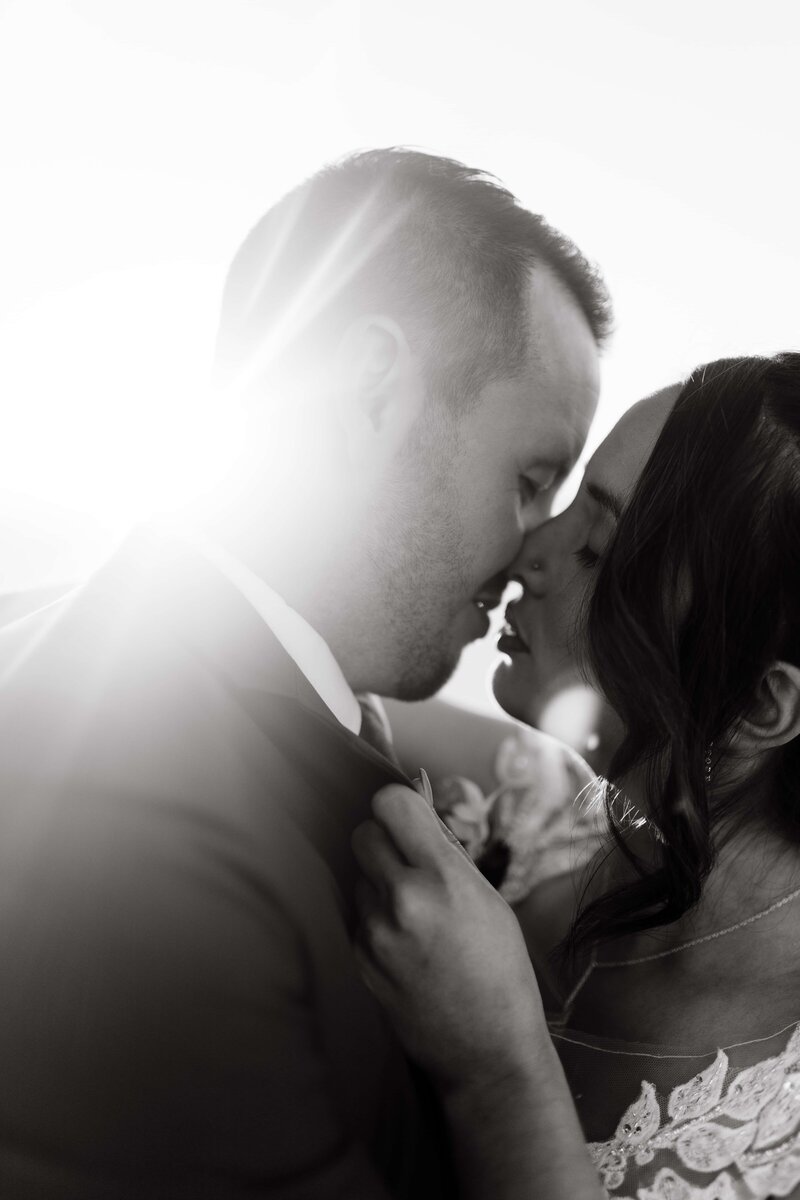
(426, 673)
(425, 679)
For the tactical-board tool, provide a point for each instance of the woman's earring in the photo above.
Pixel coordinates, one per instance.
(708, 763)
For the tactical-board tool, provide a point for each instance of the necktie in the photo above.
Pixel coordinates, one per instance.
(375, 728)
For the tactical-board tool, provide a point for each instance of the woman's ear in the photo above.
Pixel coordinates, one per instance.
(379, 389)
(774, 718)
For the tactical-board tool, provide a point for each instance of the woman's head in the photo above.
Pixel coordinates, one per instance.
(690, 617)
(558, 565)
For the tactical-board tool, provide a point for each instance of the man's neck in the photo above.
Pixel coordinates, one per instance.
(319, 583)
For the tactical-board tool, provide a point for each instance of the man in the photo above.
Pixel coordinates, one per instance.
(413, 361)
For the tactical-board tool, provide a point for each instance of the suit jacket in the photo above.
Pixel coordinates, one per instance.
(180, 1015)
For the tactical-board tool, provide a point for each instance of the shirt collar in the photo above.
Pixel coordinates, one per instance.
(310, 651)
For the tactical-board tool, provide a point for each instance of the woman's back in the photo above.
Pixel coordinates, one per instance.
(684, 1067)
(674, 577)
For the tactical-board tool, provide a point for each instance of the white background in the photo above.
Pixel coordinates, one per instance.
(139, 140)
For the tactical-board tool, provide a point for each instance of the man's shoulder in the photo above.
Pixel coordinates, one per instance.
(139, 736)
(137, 780)
(156, 739)
(177, 846)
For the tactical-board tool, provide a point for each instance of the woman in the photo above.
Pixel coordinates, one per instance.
(670, 968)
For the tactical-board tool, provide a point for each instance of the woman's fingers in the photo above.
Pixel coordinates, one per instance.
(413, 826)
(377, 943)
(377, 856)
(371, 921)
(418, 832)
(389, 897)
(371, 917)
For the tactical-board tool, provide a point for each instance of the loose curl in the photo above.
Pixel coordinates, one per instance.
(698, 593)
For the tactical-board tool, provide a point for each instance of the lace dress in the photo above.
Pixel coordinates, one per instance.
(538, 823)
(676, 1124)
(663, 1122)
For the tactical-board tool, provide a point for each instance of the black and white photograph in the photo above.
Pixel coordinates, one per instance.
(399, 600)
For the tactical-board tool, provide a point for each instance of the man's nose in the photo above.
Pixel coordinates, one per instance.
(536, 512)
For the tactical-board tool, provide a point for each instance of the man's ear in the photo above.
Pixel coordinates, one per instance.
(774, 718)
(379, 388)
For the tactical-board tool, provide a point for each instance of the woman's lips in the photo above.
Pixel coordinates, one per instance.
(510, 641)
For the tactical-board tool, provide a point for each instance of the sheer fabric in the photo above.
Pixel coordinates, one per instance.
(662, 1122)
(540, 813)
(666, 1123)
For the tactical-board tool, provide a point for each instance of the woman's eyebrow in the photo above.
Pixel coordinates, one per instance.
(605, 499)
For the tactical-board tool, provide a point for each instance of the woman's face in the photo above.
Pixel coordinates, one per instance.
(557, 561)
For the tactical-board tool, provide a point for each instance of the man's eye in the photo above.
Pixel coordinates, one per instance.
(530, 489)
(587, 557)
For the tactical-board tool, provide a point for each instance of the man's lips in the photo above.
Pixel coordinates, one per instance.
(490, 594)
(482, 604)
(486, 601)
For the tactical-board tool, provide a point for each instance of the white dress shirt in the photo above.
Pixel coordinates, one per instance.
(310, 652)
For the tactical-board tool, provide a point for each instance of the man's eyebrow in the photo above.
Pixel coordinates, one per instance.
(546, 460)
(559, 466)
(605, 499)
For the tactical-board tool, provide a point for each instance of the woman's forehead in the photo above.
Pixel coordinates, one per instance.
(621, 457)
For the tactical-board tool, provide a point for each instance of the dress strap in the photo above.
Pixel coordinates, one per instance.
(569, 1003)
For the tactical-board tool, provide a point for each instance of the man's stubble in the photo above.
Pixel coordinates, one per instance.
(419, 555)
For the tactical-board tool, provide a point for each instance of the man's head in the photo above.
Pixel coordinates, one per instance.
(437, 345)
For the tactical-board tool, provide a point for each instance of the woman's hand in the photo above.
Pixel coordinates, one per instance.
(445, 956)
(441, 951)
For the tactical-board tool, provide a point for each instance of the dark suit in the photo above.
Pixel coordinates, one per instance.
(180, 1014)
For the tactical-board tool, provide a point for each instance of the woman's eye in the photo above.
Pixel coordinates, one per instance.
(587, 557)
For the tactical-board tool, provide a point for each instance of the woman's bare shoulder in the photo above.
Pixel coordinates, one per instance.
(447, 739)
(545, 916)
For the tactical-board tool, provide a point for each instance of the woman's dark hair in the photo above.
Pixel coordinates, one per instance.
(698, 593)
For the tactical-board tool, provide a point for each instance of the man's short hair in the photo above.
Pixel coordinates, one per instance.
(443, 248)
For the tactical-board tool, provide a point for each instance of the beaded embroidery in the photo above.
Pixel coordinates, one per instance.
(745, 1139)
(748, 1137)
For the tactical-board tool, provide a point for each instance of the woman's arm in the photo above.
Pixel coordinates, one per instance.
(445, 956)
(519, 1138)
(450, 740)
